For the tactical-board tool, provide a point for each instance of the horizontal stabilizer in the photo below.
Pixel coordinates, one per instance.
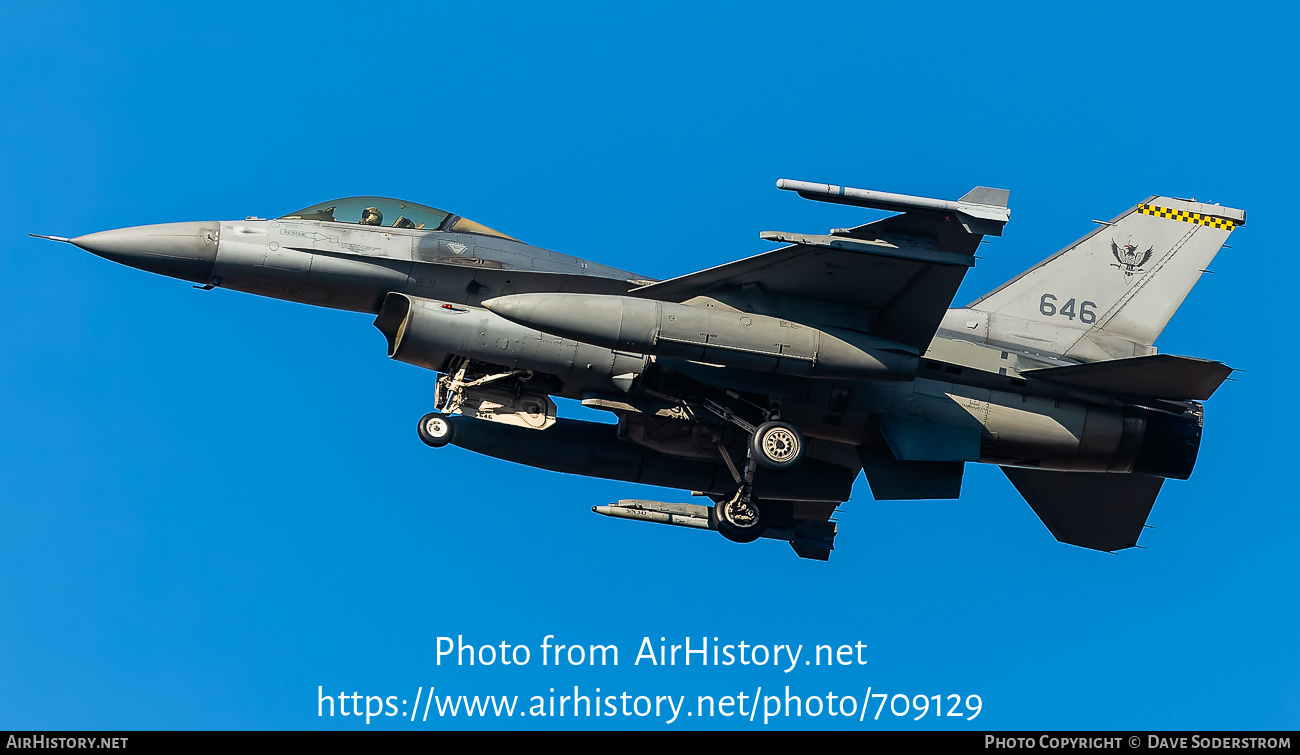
(894, 480)
(1158, 376)
(1105, 512)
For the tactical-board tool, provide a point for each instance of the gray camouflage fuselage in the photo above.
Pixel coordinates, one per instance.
(1013, 380)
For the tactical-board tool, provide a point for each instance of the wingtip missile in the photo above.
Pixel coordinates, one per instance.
(982, 210)
(680, 514)
(809, 538)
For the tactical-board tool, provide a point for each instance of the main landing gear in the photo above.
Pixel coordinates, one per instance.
(738, 518)
(774, 445)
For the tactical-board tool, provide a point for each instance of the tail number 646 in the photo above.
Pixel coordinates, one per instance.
(1086, 313)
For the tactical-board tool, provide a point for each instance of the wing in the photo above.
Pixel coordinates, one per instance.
(800, 502)
(894, 278)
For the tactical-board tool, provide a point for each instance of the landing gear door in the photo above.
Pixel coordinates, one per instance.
(535, 411)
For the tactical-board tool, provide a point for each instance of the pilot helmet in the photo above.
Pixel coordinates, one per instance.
(372, 216)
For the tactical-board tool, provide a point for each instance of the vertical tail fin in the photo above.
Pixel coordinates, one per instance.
(1110, 294)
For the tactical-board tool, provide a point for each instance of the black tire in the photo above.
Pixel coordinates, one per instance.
(777, 445)
(730, 530)
(435, 429)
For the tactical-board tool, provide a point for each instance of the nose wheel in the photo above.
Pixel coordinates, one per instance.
(435, 429)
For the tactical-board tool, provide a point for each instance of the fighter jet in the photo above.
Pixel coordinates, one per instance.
(767, 385)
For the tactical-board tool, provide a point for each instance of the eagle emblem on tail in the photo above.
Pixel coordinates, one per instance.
(1129, 258)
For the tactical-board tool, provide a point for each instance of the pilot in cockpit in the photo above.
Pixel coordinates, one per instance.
(372, 216)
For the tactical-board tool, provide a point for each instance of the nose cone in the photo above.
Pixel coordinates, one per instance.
(181, 250)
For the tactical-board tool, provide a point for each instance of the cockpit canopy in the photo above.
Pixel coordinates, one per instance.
(391, 213)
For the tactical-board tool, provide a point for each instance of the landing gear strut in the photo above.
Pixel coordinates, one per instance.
(738, 519)
(775, 445)
(485, 392)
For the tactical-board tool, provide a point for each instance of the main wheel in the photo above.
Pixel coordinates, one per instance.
(777, 445)
(435, 429)
(739, 524)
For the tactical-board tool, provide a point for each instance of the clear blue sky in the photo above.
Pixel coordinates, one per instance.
(212, 503)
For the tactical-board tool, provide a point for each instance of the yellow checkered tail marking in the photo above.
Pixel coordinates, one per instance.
(1186, 217)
